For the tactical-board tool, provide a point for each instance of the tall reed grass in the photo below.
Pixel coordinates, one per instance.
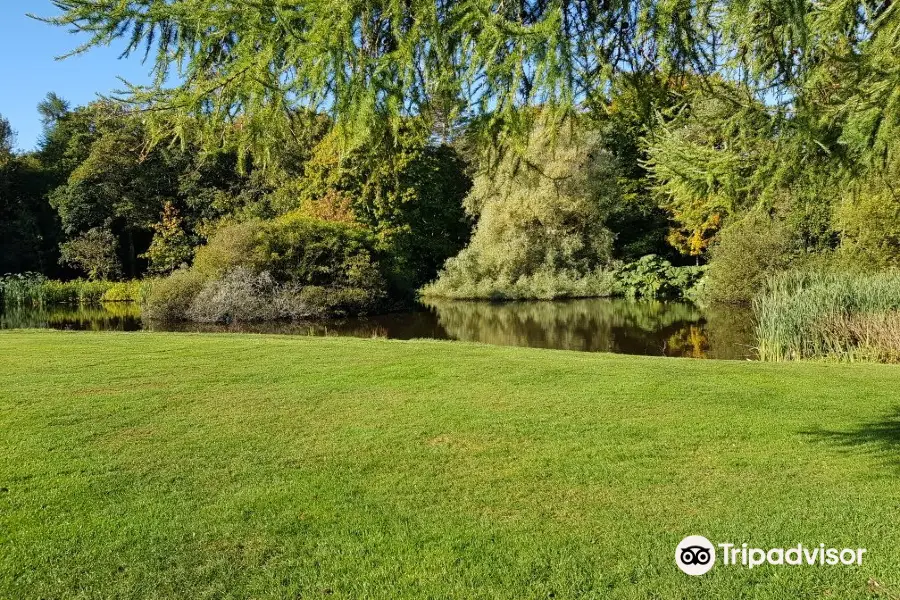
(20, 288)
(843, 316)
(32, 289)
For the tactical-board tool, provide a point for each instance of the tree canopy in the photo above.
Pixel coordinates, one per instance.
(247, 66)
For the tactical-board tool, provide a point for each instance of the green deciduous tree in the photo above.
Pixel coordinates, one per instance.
(171, 246)
(541, 216)
(406, 190)
(103, 171)
(95, 252)
(28, 226)
(114, 182)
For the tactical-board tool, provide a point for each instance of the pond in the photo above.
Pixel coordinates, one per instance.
(593, 325)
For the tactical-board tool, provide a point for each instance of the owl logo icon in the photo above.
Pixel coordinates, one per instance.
(695, 555)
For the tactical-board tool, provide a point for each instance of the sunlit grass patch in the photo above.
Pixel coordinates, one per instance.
(212, 466)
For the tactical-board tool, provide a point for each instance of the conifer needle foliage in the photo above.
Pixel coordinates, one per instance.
(246, 66)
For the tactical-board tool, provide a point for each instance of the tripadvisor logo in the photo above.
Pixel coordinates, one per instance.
(696, 555)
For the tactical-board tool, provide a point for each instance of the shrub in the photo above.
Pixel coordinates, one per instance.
(170, 298)
(803, 315)
(240, 295)
(295, 249)
(300, 250)
(244, 296)
(287, 268)
(746, 253)
(653, 277)
(125, 291)
(688, 282)
(540, 286)
(231, 246)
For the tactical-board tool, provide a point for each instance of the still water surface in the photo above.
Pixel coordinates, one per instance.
(595, 325)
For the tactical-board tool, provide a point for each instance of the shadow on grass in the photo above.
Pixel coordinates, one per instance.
(880, 437)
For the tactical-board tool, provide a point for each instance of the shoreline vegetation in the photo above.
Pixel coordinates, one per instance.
(33, 289)
(591, 206)
(184, 465)
(839, 316)
(799, 314)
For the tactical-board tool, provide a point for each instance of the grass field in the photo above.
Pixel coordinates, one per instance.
(204, 466)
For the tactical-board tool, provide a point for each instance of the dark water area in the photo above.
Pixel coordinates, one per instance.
(594, 325)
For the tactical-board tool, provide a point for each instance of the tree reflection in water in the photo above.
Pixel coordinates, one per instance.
(603, 325)
(593, 325)
(112, 316)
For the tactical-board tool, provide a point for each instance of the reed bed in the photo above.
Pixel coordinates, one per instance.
(30, 289)
(842, 316)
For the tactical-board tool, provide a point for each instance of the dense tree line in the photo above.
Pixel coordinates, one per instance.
(525, 149)
(98, 198)
(667, 173)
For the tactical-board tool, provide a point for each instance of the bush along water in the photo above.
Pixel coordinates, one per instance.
(293, 267)
(244, 296)
(654, 277)
(454, 284)
(843, 316)
(745, 254)
(649, 277)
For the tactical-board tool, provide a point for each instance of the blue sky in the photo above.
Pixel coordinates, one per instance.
(28, 68)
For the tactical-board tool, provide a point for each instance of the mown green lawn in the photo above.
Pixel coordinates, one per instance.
(230, 466)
